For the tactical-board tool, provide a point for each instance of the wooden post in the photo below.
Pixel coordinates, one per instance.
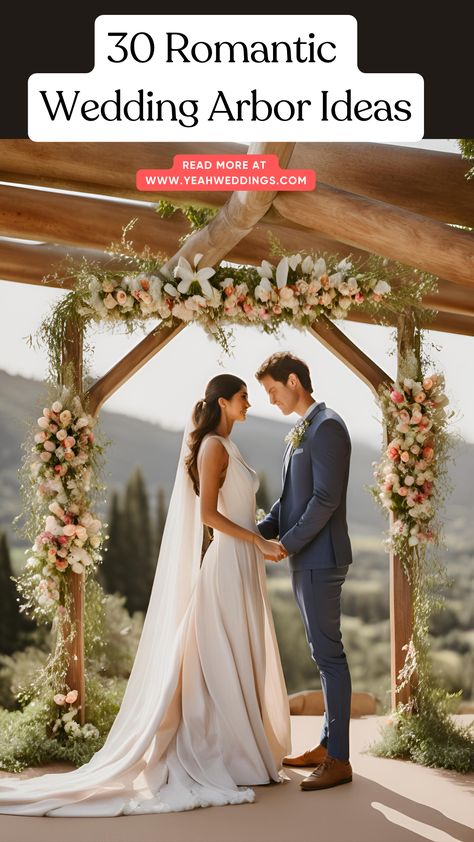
(71, 375)
(401, 595)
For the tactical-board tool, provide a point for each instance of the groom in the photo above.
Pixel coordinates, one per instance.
(310, 520)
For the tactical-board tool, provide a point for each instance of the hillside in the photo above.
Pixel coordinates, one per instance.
(155, 450)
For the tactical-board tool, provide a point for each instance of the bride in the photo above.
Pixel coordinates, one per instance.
(205, 715)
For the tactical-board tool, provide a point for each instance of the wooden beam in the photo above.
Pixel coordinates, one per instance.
(384, 229)
(105, 387)
(30, 263)
(85, 222)
(341, 346)
(426, 182)
(237, 218)
(401, 593)
(104, 168)
(71, 375)
(420, 180)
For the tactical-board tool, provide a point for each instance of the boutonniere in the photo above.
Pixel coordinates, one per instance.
(296, 434)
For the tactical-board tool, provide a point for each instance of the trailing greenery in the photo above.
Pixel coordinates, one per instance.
(466, 146)
(197, 217)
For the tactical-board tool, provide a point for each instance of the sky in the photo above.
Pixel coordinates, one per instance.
(167, 387)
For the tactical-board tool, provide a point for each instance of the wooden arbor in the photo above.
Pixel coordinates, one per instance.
(369, 198)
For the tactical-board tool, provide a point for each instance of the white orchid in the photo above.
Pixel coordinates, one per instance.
(307, 265)
(281, 274)
(189, 275)
(265, 270)
(294, 260)
(319, 268)
(344, 265)
(263, 291)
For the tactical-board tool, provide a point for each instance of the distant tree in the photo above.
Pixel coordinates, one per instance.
(160, 520)
(263, 495)
(14, 626)
(138, 543)
(113, 571)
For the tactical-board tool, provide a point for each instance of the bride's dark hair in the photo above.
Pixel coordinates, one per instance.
(206, 417)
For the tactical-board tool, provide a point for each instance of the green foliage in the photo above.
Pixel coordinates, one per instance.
(431, 738)
(14, 626)
(197, 217)
(466, 146)
(264, 500)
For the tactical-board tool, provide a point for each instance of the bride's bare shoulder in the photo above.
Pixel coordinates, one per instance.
(213, 447)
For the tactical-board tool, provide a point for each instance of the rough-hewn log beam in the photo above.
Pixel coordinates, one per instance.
(85, 222)
(426, 182)
(384, 229)
(341, 346)
(30, 263)
(104, 168)
(420, 180)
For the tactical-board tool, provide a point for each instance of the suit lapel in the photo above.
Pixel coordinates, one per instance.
(286, 462)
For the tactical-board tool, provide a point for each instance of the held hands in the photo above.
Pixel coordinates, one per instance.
(272, 550)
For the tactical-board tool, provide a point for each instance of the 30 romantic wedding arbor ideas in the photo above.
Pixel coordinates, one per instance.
(379, 241)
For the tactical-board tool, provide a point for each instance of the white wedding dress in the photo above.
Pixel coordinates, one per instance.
(205, 715)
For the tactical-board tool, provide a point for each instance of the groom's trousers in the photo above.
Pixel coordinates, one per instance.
(318, 594)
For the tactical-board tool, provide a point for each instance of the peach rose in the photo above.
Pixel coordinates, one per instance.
(405, 456)
(40, 437)
(49, 446)
(392, 453)
(43, 423)
(65, 417)
(420, 397)
(45, 456)
(428, 383)
(61, 563)
(403, 491)
(428, 453)
(69, 441)
(61, 435)
(121, 297)
(56, 407)
(71, 697)
(68, 455)
(110, 302)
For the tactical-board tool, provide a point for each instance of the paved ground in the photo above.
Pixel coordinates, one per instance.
(388, 801)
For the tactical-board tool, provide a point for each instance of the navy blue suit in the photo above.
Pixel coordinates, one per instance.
(310, 520)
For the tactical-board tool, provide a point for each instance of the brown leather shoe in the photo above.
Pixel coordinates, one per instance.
(332, 772)
(313, 757)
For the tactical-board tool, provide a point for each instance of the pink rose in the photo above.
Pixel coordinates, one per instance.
(53, 428)
(409, 481)
(69, 441)
(229, 290)
(416, 417)
(415, 448)
(396, 397)
(247, 308)
(40, 437)
(49, 446)
(43, 423)
(91, 437)
(45, 456)
(428, 453)
(388, 486)
(68, 455)
(59, 698)
(427, 487)
(65, 418)
(61, 435)
(403, 491)
(56, 407)
(404, 416)
(62, 539)
(392, 453)
(358, 298)
(405, 456)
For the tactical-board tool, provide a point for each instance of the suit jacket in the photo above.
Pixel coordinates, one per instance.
(310, 516)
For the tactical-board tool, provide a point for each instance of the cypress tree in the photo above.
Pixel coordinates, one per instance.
(138, 543)
(113, 572)
(160, 520)
(13, 625)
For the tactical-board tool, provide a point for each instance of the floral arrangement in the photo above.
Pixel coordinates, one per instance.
(297, 433)
(66, 721)
(298, 289)
(415, 415)
(70, 538)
